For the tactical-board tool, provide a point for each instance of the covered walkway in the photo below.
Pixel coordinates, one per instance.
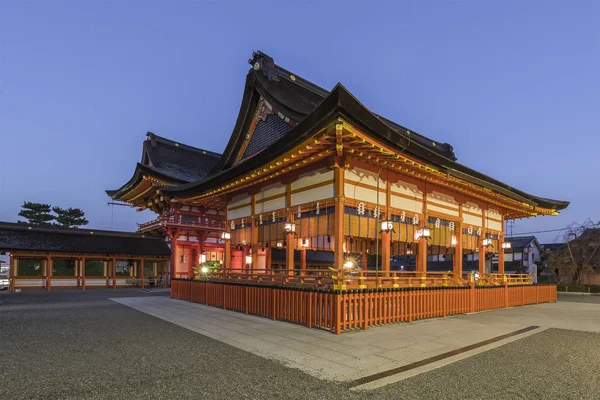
(52, 257)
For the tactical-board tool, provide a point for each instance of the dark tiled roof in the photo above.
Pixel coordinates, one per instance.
(341, 103)
(179, 161)
(520, 242)
(24, 237)
(296, 98)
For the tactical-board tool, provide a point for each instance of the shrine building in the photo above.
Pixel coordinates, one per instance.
(311, 179)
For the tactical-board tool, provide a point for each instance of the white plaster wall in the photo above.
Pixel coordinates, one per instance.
(472, 219)
(402, 202)
(239, 200)
(312, 178)
(442, 210)
(316, 194)
(352, 191)
(270, 205)
(239, 213)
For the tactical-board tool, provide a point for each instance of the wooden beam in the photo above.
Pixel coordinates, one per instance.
(338, 247)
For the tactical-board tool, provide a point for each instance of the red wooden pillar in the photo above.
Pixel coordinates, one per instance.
(303, 259)
(338, 246)
(422, 256)
(83, 273)
(481, 257)
(48, 273)
(11, 273)
(142, 272)
(289, 253)
(174, 256)
(114, 272)
(457, 265)
(268, 258)
(385, 253)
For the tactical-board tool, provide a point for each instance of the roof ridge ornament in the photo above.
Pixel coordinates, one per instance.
(262, 62)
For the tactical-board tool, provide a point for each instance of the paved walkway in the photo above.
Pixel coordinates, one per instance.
(357, 354)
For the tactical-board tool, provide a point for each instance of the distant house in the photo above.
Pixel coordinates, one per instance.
(524, 255)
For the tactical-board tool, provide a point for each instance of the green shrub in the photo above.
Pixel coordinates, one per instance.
(562, 287)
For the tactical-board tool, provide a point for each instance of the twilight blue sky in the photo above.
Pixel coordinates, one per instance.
(514, 86)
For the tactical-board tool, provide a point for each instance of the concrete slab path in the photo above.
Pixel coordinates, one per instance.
(357, 354)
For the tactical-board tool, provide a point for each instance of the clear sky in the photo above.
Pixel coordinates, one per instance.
(514, 86)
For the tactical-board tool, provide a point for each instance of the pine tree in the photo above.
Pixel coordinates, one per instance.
(70, 217)
(36, 213)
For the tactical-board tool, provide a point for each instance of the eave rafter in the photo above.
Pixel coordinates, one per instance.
(309, 151)
(363, 147)
(349, 140)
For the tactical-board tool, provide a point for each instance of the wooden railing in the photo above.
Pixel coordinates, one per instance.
(343, 310)
(324, 277)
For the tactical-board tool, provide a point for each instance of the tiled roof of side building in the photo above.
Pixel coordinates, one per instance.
(25, 237)
(177, 160)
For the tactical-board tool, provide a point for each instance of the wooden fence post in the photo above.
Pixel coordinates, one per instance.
(247, 300)
(274, 304)
(310, 314)
(224, 307)
(366, 308)
(444, 303)
(472, 295)
(410, 305)
(506, 294)
(338, 313)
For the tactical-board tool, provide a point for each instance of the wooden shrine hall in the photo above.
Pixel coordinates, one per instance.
(315, 191)
(51, 257)
(312, 178)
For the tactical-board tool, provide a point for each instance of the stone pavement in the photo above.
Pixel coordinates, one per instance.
(357, 354)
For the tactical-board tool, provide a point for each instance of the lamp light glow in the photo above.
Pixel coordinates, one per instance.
(279, 244)
(304, 243)
(348, 264)
(248, 259)
(204, 270)
(225, 235)
(506, 245)
(487, 242)
(454, 241)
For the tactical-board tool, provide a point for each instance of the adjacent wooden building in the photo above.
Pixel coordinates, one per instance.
(52, 257)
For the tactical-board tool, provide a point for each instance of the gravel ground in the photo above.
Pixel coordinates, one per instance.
(74, 345)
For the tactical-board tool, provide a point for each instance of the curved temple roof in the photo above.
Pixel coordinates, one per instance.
(169, 161)
(280, 110)
(311, 107)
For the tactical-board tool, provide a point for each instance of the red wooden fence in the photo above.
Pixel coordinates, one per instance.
(342, 311)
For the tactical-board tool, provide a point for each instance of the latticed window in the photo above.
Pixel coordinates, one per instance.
(265, 134)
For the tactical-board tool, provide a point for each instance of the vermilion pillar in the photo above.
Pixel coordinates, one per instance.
(114, 272)
(303, 259)
(422, 256)
(48, 273)
(481, 257)
(458, 253)
(83, 273)
(227, 255)
(501, 254)
(142, 272)
(338, 246)
(11, 274)
(289, 253)
(385, 253)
